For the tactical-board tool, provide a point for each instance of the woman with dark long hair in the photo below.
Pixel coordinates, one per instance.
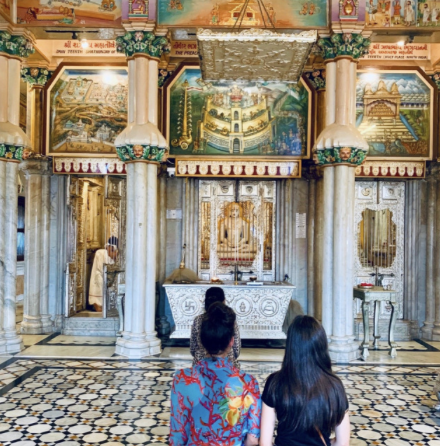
(306, 397)
(198, 352)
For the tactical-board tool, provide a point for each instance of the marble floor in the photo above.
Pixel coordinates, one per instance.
(73, 391)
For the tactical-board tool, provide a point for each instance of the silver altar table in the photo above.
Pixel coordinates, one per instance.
(260, 310)
(376, 295)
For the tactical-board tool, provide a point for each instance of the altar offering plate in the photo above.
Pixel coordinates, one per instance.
(366, 286)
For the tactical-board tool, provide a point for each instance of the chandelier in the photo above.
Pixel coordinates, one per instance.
(255, 54)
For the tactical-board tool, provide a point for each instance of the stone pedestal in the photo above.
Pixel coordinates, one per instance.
(36, 318)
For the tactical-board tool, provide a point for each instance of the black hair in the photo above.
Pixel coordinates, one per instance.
(310, 395)
(214, 294)
(113, 241)
(217, 328)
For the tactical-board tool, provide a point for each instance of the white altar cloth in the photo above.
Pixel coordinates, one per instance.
(260, 310)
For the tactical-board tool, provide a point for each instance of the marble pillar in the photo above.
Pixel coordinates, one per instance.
(436, 329)
(311, 248)
(36, 318)
(413, 249)
(338, 150)
(428, 324)
(143, 147)
(191, 222)
(14, 143)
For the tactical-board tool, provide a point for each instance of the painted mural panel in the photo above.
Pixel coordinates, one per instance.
(87, 109)
(402, 13)
(73, 12)
(5, 8)
(283, 13)
(394, 113)
(245, 119)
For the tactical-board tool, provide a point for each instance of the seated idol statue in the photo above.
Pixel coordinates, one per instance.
(106, 256)
(234, 234)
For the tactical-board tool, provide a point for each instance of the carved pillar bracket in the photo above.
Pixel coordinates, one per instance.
(142, 43)
(352, 46)
(18, 46)
(36, 76)
(436, 79)
(340, 142)
(317, 78)
(141, 139)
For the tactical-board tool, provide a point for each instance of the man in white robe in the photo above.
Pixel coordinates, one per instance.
(106, 256)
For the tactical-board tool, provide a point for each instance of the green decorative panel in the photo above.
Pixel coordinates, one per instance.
(140, 42)
(15, 45)
(133, 152)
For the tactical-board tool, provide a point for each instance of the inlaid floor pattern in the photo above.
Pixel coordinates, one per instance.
(113, 402)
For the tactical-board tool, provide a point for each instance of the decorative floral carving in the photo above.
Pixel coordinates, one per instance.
(36, 76)
(133, 152)
(316, 78)
(15, 45)
(14, 153)
(142, 42)
(163, 77)
(351, 45)
(339, 155)
(436, 79)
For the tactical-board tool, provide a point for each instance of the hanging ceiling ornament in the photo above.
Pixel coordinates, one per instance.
(253, 54)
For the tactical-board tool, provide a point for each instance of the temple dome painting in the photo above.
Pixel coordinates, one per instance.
(253, 118)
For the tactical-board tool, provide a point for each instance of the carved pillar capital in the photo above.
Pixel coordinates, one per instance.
(15, 45)
(36, 77)
(142, 43)
(352, 46)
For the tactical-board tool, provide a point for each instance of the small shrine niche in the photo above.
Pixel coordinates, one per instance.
(237, 222)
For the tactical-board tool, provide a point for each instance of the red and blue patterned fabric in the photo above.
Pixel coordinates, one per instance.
(213, 403)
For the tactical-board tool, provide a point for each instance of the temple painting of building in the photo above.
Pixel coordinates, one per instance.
(87, 110)
(52, 12)
(402, 13)
(282, 13)
(237, 119)
(394, 114)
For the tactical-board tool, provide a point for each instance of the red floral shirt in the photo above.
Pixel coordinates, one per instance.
(213, 404)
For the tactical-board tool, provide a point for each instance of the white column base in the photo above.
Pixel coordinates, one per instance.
(136, 347)
(14, 342)
(31, 325)
(343, 349)
(427, 331)
(47, 324)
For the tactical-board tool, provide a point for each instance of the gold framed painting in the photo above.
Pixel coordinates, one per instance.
(85, 110)
(395, 112)
(236, 119)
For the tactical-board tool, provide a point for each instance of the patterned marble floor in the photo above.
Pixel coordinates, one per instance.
(115, 402)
